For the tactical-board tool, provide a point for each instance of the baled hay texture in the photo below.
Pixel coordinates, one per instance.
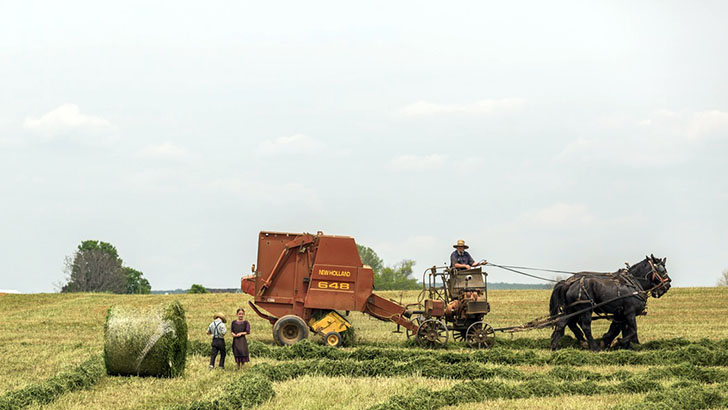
(146, 342)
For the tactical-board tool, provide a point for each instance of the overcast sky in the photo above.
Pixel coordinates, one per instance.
(572, 135)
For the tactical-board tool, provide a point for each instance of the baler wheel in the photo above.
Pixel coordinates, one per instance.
(333, 339)
(289, 329)
(432, 333)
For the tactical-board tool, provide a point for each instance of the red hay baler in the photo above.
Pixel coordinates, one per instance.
(301, 280)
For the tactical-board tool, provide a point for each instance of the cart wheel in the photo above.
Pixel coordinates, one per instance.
(432, 332)
(416, 320)
(458, 335)
(289, 329)
(480, 335)
(333, 339)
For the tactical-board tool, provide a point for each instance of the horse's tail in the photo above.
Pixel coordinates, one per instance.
(558, 296)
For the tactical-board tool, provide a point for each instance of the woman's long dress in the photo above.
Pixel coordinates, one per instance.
(240, 344)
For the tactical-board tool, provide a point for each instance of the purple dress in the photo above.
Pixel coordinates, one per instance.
(240, 344)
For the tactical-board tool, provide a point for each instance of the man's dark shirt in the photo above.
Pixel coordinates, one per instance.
(464, 259)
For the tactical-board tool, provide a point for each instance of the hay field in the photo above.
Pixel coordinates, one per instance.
(683, 361)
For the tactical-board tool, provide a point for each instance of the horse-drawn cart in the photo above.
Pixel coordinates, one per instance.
(453, 303)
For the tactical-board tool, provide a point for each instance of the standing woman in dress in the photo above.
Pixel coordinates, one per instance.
(239, 329)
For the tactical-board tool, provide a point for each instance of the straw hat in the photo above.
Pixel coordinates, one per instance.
(221, 316)
(460, 243)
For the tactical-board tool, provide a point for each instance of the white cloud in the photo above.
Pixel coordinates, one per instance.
(663, 138)
(296, 144)
(269, 194)
(166, 150)
(426, 108)
(708, 124)
(417, 162)
(394, 251)
(469, 165)
(67, 120)
(560, 215)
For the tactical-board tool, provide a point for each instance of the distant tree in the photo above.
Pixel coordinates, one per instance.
(557, 278)
(369, 257)
(723, 281)
(396, 277)
(94, 267)
(135, 283)
(195, 288)
(388, 278)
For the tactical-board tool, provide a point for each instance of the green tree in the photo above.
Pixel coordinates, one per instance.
(195, 288)
(135, 283)
(369, 257)
(396, 277)
(95, 266)
(723, 281)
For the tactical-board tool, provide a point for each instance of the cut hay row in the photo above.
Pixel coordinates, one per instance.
(146, 341)
(470, 371)
(662, 344)
(658, 397)
(560, 380)
(695, 353)
(248, 390)
(203, 348)
(84, 376)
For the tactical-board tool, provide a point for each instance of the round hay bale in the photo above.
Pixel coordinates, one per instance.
(147, 341)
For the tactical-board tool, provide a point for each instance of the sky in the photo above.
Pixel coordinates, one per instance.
(566, 135)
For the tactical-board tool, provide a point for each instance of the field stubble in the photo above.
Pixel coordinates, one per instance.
(60, 332)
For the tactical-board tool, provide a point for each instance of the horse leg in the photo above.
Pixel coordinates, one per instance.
(557, 334)
(585, 323)
(629, 331)
(577, 333)
(614, 329)
(635, 338)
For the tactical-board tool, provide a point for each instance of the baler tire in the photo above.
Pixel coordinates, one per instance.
(333, 339)
(289, 330)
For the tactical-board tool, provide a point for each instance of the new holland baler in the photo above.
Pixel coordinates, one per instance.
(301, 280)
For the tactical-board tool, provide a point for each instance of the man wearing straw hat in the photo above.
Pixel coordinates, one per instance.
(217, 329)
(460, 259)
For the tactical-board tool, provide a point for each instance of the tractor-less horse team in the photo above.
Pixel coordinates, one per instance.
(301, 282)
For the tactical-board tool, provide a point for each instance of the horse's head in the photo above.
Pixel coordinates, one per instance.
(657, 276)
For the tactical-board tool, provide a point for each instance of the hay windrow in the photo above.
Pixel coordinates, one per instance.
(697, 354)
(146, 342)
(475, 391)
(246, 391)
(84, 376)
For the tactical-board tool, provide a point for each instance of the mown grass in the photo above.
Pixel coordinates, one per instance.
(84, 376)
(685, 326)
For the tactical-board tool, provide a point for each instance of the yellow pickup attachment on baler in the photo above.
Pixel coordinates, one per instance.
(330, 327)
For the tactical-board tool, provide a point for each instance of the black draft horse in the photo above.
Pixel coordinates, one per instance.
(616, 290)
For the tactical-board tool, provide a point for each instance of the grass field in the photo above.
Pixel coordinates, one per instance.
(49, 335)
